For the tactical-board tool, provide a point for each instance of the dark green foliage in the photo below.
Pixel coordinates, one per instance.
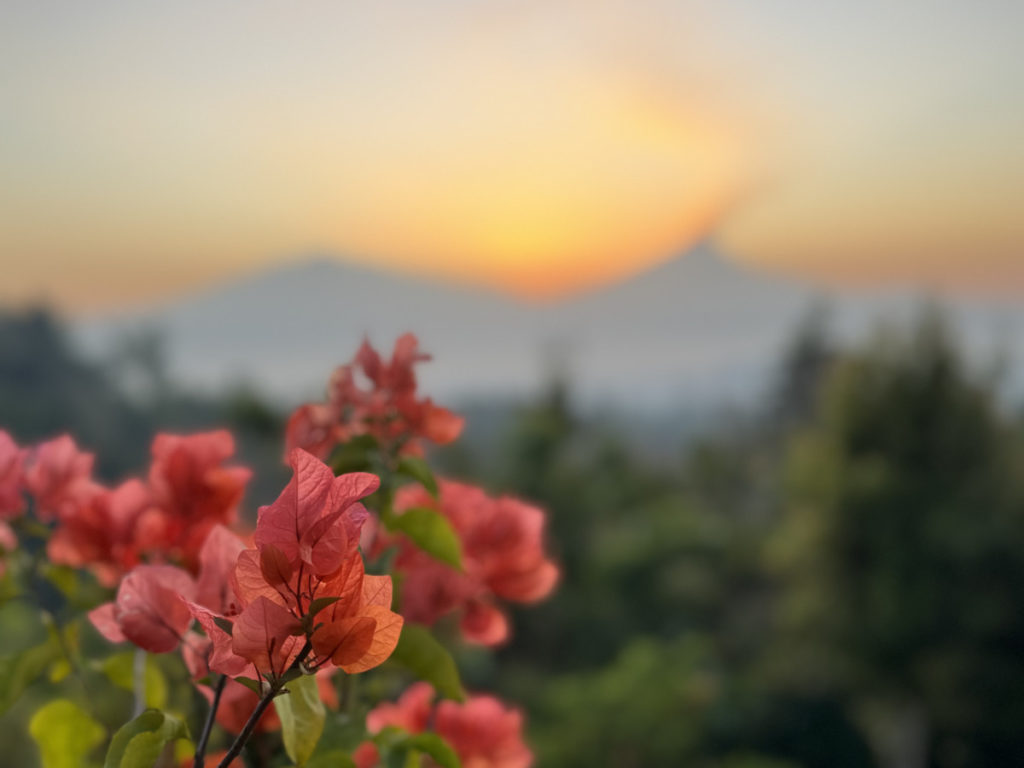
(46, 389)
(902, 549)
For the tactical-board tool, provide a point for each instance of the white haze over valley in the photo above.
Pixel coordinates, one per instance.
(698, 330)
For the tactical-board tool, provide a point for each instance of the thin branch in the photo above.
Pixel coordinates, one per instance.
(254, 718)
(200, 760)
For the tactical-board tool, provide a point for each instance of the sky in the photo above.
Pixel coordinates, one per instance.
(540, 147)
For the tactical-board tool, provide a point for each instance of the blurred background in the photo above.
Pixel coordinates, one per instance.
(734, 290)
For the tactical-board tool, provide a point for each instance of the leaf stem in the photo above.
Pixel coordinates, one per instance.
(139, 680)
(200, 760)
(254, 718)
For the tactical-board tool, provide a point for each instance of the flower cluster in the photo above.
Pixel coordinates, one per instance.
(191, 492)
(483, 732)
(386, 406)
(299, 596)
(280, 611)
(12, 477)
(502, 557)
(165, 518)
(12, 483)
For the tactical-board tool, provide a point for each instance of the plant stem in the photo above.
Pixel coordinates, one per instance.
(139, 674)
(200, 760)
(254, 718)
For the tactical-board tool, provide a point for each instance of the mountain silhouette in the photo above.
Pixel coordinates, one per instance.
(698, 327)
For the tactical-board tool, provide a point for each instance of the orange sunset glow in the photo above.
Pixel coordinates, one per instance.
(539, 149)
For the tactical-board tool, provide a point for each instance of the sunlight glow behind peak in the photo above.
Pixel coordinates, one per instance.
(541, 149)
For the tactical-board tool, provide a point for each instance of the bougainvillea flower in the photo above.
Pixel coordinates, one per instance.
(57, 474)
(502, 556)
(306, 573)
(214, 599)
(264, 634)
(258, 574)
(357, 629)
(98, 529)
(301, 589)
(483, 732)
(213, 651)
(262, 641)
(411, 712)
(150, 609)
(316, 521)
(8, 543)
(359, 633)
(314, 427)
(192, 492)
(483, 623)
(217, 559)
(386, 407)
(12, 478)
(366, 755)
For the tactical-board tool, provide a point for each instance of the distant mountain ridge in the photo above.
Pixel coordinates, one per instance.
(696, 328)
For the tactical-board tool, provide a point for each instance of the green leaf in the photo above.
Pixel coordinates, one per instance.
(387, 737)
(18, 670)
(251, 684)
(434, 747)
(120, 670)
(63, 578)
(431, 532)
(320, 603)
(356, 455)
(333, 759)
(65, 734)
(404, 758)
(290, 674)
(302, 718)
(139, 743)
(417, 469)
(61, 668)
(224, 624)
(426, 658)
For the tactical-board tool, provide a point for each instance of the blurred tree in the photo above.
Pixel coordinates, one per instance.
(677, 702)
(901, 555)
(139, 364)
(805, 364)
(45, 389)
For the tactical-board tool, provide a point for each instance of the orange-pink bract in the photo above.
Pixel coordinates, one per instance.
(386, 406)
(315, 522)
(12, 477)
(8, 542)
(97, 529)
(483, 731)
(502, 556)
(149, 610)
(411, 712)
(57, 474)
(110, 530)
(152, 610)
(192, 492)
(305, 577)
